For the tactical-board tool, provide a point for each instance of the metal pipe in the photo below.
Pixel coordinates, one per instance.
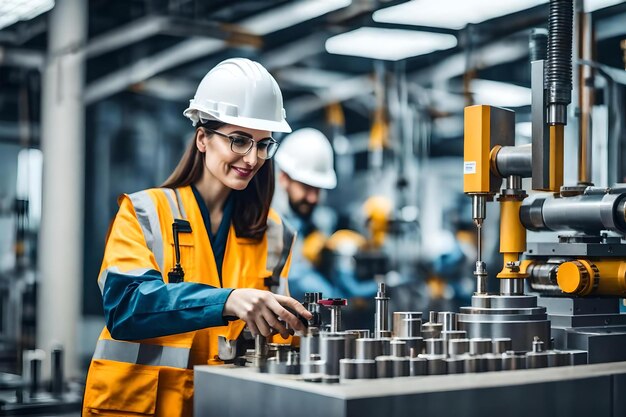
(381, 319)
(595, 210)
(512, 286)
(514, 160)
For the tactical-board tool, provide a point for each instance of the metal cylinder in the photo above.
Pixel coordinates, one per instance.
(384, 367)
(415, 343)
(433, 317)
(407, 323)
(592, 212)
(512, 286)
(558, 358)
(401, 367)
(418, 366)
(479, 207)
(473, 364)
(381, 319)
(310, 303)
(432, 330)
(434, 346)
(386, 345)
(447, 336)
(538, 44)
(493, 362)
(480, 346)
(513, 361)
(365, 368)
(448, 320)
(516, 161)
(56, 379)
(536, 360)
(457, 347)
(332, 349)
(502, 344)
(558, 72)
(437, 364)
(347, 369)
(455, 365)
(398, 348)
(368, 348)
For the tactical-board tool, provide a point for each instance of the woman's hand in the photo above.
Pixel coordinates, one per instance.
(261, 310)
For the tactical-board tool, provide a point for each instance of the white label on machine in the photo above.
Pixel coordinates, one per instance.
(469, 167)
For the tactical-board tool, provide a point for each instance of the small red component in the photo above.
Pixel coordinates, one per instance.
(327, 302)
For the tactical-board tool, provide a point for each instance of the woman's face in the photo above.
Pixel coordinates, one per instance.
(232, 170)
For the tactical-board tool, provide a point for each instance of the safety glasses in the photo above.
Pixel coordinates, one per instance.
(242, 145)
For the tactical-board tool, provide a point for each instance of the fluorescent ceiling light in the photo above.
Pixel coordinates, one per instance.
(496, 93)
(452, 14)
(593, 5)
(291, 14)
(12, 11)
(388, 44)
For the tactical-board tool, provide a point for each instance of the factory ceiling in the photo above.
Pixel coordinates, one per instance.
(162, 48)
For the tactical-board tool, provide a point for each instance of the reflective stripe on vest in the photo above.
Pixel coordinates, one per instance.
(142, 354)
(149, 222)
(102, 279)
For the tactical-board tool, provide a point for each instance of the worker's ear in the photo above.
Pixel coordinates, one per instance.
(283, 179)
(201, 139)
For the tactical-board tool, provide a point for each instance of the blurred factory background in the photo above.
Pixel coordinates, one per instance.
(91, 101)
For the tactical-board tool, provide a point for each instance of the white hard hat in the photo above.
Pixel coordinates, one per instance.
(239, 92)
(307, 157)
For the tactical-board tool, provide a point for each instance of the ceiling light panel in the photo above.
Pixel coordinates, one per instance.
(12, 11)
(388, 44)
(450, 14)
(291, 15)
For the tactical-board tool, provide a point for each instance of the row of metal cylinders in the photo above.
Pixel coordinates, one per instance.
(344, 356)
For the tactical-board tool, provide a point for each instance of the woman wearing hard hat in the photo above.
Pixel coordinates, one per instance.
(193, 260)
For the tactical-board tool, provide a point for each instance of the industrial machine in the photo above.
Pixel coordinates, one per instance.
(534, 351)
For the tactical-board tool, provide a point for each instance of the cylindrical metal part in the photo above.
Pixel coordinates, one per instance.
(332, 349)
(350, 342)
(538, 44)
(418, 366)
(473, 364)
(365, 368)
(432, 330)
(493, 362)
(481, 273)
(57, 379)
(315, 369)
(347, 369)
(513, 361)
(335, 319)
(502, 344)
(437, 364)
(447, 336)
(558, 72)
(368, 348)
(480, 346)
(590, 213)
(514, 160)
(381, 320)
(361, 333)
(310, 303)
(457, 347)
(434, 346)
(401, 367)
(542, 277)
(456, 365)
(536, 360)
(35, 375)
(407, 323)
(433, 317)
(558, 358)
(448, 320)
(384, 367)
(514, 182)
(512, 286)
(479, 206)
(386, 344)
(415, 343)
(398, 348)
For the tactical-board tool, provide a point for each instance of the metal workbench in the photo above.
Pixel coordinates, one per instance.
(586, 390)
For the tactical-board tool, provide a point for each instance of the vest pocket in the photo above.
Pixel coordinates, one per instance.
(117, 388)
(187, 258)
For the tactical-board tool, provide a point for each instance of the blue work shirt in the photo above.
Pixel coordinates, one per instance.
(144, 306)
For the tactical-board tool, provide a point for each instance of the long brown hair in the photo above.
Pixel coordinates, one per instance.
(252, 204)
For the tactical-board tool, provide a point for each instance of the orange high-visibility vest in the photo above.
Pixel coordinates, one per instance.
(154, 377)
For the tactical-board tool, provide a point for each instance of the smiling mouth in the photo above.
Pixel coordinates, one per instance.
(242, 172)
